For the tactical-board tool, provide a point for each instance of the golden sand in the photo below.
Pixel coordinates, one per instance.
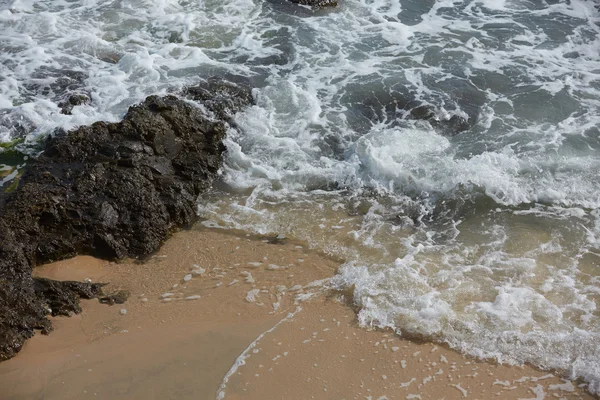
(217, 313)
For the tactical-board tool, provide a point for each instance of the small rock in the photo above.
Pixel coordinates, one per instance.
(123, 311)
(77, 99)
(119, 297)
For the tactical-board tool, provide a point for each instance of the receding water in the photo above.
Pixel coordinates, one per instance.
(478, 226)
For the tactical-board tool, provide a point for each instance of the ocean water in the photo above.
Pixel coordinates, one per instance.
(486, 239)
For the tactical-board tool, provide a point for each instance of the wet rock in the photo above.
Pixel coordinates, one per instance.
(20, 310)
(377, 102)
(111, 190)
(66, 106)
(222, 97)
(449, 126)
(117, 189)
(54, 82)
(66, 88)
(316, 3)
(109, 56)
(16, 125)
(279, 239)
(119, 297)
(62, 297)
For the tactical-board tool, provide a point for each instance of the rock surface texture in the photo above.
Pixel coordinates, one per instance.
(111, 190)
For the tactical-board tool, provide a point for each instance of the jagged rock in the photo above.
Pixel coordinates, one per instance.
(111, 190)
(116, 189)
(66, 106)
(20, 312)
(224, 98)
(62, 297)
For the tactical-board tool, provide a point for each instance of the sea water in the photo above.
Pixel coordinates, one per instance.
(486, 239)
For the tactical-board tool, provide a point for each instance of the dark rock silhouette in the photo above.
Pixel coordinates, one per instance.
(111, 190)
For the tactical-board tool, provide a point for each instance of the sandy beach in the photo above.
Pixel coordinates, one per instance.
(220, 314)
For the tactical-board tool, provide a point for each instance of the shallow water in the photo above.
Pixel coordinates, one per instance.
(486, 239)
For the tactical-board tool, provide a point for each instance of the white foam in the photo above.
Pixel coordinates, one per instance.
(485, 240)
(252, 295)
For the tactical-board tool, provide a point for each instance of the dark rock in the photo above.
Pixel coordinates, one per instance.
(572, 54)
(111, 190)
(116, 189)
(119, 297)
(456, 124)
(62, 297)
(316, 3)
(66, 88)
(279, 239)
(54, 83)
(374, 101)
(20, 310)
(224, 98)
(77, 99)
(449, 126)
(109, 56)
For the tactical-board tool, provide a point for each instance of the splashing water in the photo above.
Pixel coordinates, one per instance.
(483, 234)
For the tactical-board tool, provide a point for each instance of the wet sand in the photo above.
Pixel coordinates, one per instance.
(190, 329)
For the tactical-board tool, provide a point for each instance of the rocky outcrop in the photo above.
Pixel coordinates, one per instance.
(111, 190)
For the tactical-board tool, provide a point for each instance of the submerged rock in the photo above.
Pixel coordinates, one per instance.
(316, 3)
(111, 190)
(66, 106)
(450, 126)
(376, 102)
(119, 297)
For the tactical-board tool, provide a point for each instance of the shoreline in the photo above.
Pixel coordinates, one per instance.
(202, 301)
